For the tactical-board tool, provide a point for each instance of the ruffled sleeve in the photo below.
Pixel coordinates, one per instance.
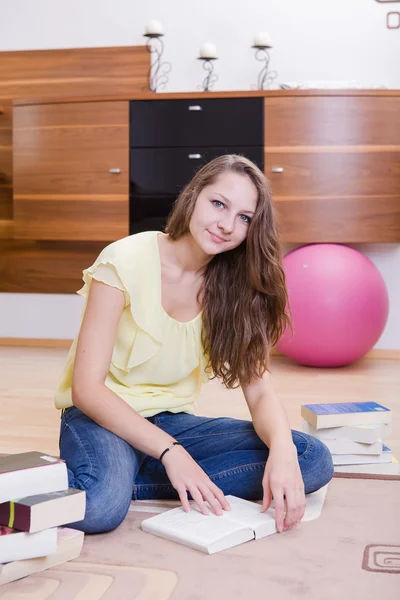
(107, 273)
(129, 265)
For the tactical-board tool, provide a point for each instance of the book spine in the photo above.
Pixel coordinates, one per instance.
(16, 516)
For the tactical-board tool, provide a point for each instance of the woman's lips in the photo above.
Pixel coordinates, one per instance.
(216, 238)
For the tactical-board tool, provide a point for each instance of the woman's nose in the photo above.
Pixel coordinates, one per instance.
(226, 224)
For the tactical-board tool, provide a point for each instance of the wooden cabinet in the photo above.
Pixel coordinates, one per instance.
(71, 171)
(334, 165)
(6, 199)
(333, 159)
(43, 267)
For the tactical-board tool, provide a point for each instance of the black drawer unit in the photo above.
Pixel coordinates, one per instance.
(209, 122)
(171, 139)
(157, 175)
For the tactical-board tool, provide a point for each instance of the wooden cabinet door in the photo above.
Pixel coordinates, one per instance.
(6, 207)
(71, 178)
(334, 166)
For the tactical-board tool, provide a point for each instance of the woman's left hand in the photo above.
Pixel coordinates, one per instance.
(282, 480)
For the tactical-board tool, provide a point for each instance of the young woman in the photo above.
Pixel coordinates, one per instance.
(163, 313)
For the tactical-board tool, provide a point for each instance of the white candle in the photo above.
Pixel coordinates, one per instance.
(262, 39)
(154, 27)
(208, 50)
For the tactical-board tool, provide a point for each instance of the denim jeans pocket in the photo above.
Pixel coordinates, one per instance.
(69, 414)
(159, 417)
(63, 422)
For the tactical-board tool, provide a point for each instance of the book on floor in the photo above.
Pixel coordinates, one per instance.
(18, 545)
(359, 459)
(367, 434)
(69, 546)
(43, 511)
(392, 468)
(30, 473)
(349, 447)
(345, 413)
(212, 533)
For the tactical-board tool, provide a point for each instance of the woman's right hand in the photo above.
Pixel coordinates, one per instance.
(186, 475)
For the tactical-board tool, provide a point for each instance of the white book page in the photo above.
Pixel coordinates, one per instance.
(192, 526)
(314, 503)
(206, 530)
(248, 513)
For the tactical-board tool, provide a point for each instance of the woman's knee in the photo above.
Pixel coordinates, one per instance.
(108, 488)
(101, 464)
(106, 506)
(316, 464)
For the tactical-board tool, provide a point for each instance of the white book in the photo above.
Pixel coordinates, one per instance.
(392, 468)
(360, 459)
(69, 546)
(18, 545)
(367, 434)
(212, 533)
(349, 447)
(30, 473)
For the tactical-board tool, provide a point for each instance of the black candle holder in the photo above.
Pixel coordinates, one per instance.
(158, 72)
(211, 78)
(265, 77)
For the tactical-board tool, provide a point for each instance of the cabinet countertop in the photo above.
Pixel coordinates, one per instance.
(204, 95)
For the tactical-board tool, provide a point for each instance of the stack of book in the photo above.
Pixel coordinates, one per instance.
(354, 433)
(35, 503)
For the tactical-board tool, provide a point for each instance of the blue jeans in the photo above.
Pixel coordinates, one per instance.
(113, 473)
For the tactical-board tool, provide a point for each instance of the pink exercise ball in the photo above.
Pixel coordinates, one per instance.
(339, 305)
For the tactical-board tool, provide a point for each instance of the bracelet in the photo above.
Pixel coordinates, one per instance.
(169, 448)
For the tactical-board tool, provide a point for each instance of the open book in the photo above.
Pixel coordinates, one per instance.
(212, 533)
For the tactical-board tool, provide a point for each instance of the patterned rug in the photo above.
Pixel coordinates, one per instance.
(352, 551)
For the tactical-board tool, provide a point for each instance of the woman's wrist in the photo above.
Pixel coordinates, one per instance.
(282, 445)
(168, 448)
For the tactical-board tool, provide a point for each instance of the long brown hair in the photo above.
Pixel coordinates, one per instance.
(244, 296)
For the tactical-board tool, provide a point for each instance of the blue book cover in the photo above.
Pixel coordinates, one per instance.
(345, 408)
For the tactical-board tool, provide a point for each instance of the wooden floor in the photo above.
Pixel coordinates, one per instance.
(28, 377)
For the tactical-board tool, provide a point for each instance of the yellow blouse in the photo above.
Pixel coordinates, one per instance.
(157, 362)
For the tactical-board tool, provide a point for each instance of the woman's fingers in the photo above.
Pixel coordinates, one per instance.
(279, 508)
(289, 507)
(212, 500)
(198, 498)
(302, 505)
(186, 475)
(202, 493)
(295, 501)
(220, 496)
(267, 496)
(183, 497)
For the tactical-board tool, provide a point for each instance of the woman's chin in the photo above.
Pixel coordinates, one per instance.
(207, 245)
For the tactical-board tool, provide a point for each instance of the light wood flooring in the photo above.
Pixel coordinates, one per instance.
(28, 377)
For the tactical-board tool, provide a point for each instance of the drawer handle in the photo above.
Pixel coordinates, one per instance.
(116, 171)
(195, 107)
(195, 156)
(277, 170)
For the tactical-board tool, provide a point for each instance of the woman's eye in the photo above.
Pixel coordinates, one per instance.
(246, 219)
(215, 202)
